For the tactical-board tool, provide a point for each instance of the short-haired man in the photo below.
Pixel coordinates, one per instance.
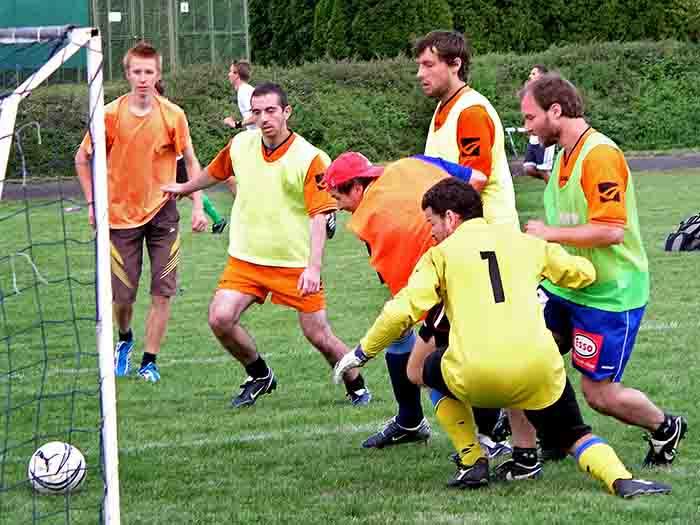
(276, 242)
(144, 133)
(239, 77)
(386, 216)
(538, 159)
(500, 352)
(466, 130)
(590, 207)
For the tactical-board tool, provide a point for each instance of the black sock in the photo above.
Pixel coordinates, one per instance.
(525, 456)
(257, 368)
(356, 384)
(147, 358)
(126, 336)
(486, 419)
(666, 428)
(406, 393)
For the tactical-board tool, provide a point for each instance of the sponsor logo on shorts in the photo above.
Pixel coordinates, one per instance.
(587, 347)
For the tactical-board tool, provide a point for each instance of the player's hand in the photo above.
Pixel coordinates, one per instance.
(175, 190)
(232, 123)
(199, 220)
(354, 359)
(537, 228)
(309, 281)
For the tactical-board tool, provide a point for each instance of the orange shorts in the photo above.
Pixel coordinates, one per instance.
(259, 281)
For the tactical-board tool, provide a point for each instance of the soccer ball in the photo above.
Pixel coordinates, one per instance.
(56, 468)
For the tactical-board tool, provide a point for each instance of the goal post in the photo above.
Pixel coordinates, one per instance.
(71, 40)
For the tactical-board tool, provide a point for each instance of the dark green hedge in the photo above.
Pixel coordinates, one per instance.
(644, 95)
(292, 31)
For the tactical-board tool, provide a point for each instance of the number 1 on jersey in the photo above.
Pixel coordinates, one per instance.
(495, 274)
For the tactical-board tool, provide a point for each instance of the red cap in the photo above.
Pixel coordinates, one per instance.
(348, 166)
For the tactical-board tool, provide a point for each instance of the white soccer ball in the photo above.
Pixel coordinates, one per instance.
(56, 468)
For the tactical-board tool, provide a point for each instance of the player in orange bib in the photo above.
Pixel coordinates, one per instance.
(144, 133)
(277, 236)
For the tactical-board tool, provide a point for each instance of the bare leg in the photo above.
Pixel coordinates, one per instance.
(318, 332)
(625, 404)
(156, 323)
(225, 310)
(123, 313)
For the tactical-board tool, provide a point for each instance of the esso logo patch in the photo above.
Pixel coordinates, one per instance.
(585, 346)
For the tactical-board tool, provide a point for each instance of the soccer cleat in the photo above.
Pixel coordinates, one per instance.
(493, 449)
(512, 470)
(150, 373)
(360, 398)
(470, 476)
(395, 434)
(219, 227)
(501, 430)
(662, 449)
(122, 357)
(330, 225)
(252, 388)
(629, 488)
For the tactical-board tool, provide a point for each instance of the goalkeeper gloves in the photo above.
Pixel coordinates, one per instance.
(354, 359)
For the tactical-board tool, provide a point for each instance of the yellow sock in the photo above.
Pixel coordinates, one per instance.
(598, 458)
(457, 420)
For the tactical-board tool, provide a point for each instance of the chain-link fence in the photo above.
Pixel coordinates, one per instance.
(192, 32)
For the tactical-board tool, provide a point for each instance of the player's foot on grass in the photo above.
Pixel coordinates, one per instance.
(122, 357)
(494, 449)
(360, 398)
(150, 373)
(219, 227)
(395, 434)
(663, 444)
(512, 470)
(253, 388)
(470, 476)
(629, 488)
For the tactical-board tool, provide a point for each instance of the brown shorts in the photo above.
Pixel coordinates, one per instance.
(163, 244)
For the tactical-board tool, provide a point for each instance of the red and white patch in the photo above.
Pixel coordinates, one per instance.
(587, 348)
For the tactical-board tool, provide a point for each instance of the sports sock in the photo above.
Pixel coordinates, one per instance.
(598, 458)
(356, 384)
(210, 210)
(486, 419)
(257, 368)
(457, 420)
(406, 393)
(525, 456)
(126, 336)
(148, 358)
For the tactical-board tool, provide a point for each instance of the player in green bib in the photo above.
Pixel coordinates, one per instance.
(590, 208)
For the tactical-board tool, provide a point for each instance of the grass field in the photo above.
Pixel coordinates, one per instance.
(186, 457)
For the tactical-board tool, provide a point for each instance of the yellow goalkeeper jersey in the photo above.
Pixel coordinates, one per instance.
(500, 352)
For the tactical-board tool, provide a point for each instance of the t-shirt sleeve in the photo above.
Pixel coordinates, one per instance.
(182, 134)
(110, 129)
(475, 137)
(244, 105)
(221, 167)
(316, 197)
(604, 181)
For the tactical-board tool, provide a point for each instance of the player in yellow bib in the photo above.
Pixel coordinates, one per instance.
(277, 236)
(500, 352)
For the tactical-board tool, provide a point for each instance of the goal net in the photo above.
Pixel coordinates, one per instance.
(56, 358)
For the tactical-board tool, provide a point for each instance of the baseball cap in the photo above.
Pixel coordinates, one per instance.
(348, 166)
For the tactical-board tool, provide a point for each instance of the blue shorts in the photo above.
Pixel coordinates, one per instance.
(539, 157)
(601, 341)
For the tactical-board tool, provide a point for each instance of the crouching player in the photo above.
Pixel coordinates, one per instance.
(500, 352)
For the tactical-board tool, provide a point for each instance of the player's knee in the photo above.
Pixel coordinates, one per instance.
(415, 373)
(221, 319)
(598, 396)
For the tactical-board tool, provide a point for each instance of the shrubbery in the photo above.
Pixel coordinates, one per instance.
(645, 95)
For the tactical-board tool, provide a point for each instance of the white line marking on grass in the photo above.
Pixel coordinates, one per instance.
(307, 433)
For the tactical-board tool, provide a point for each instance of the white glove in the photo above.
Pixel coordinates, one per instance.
(354, 359)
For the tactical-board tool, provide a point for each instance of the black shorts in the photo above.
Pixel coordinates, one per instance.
(558, 426)
(436, 325)
(181, 171)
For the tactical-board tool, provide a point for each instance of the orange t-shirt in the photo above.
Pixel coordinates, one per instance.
(316, 198)
(391, 221)
(476, 134)
(604, 177)
(141, 158)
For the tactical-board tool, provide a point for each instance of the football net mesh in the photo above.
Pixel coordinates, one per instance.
(49, 363)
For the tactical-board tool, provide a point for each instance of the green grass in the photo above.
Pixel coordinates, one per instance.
(186, 457)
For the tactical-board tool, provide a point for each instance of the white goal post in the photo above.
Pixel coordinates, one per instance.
(75, 39)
